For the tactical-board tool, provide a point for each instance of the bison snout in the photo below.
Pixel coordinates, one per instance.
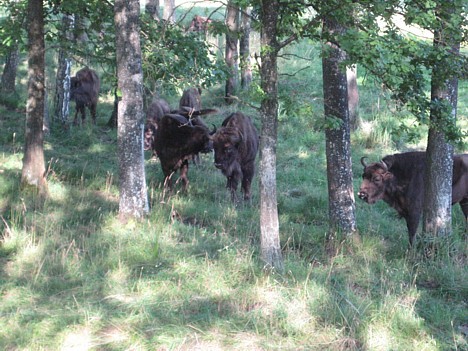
(363, 196)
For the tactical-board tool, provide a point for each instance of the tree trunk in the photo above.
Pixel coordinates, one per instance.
(232, 23)
(341, 205)
(8, 85)
(133, 192)
(33, 172)
(244, 49)
(437, 221)
(269, 223)
(353, 96)
(169, 8)
(62, 81)
(152, 7)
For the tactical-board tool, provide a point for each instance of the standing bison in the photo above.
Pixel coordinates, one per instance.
(399, 181)
(235, 147)
(84, 89)
(191, 99)
(156, 110)
(177, 140)
(199, 24)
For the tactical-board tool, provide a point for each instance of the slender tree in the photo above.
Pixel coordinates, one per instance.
(269, 222)
(244, 48)
(231, 52)
(33, 172)
(168, 12)
(341, 205)
(133, 192)
(8, 80)
(152, 8)
(353, 96)
(437, 224)
(62, 81)
(13, 22)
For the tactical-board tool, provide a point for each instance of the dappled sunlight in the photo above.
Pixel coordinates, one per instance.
(78, 340)
(379, 338)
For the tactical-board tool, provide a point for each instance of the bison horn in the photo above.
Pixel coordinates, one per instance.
(363, 162)
(384, 165)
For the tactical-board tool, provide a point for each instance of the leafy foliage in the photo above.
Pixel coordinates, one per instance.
(178, 58)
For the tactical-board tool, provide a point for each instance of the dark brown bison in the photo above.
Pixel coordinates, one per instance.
(235, 147)
(84, 89)
(199, 24)
(399, 181)
(191, 99)
(177, 140)
(155, 111)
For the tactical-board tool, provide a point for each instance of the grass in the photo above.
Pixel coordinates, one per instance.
(188, 277)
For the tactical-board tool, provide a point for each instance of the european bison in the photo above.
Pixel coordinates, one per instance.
(199, 24)
(155, 111)
(177, 140)
(191, 99)
(190, 102)
(84, 89)
(399, 181)
(235, 147)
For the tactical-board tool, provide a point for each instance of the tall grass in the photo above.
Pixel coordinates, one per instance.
(188, 277)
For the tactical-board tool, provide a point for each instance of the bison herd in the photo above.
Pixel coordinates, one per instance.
(177, 137)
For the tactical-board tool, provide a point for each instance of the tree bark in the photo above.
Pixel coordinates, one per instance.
(152, 7)
(8, 81)
(437, 220)
(269, 222)
(244, 49)
(169, 8)
(133, 192)
(33, 172)
(62, 81)
(353, 96)
(231, 55)
(341, 204)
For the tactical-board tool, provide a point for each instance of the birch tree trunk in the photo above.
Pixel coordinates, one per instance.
(133, 192)
(353, 96)
(231, 54)
(244, 49)
(168, 12)
(62, 81)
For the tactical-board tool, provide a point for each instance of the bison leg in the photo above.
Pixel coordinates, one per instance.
(464, 207)
(412, 223)
(92, 109)
(183, 174)
(248, 173)
(79, 110)
(232, 182)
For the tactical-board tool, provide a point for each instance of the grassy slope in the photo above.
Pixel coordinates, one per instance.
(189, 278)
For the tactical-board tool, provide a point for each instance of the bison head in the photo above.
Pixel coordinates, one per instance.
(225, 144)
(149, 136)
(374, 181)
